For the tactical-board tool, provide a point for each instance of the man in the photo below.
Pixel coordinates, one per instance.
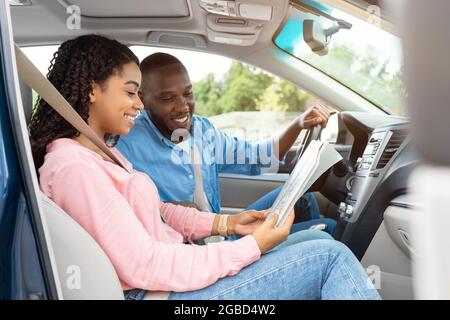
(184, 153)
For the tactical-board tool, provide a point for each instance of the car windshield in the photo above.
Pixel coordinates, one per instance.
(365, 58)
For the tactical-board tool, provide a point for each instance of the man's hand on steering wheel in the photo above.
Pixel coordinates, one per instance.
(314, 119)
(313, 116)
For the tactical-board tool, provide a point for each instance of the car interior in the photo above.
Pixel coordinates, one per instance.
(367, 193)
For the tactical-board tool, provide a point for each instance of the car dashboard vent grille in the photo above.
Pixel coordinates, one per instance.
(391, 148)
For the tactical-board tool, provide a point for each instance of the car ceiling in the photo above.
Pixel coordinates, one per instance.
(134, 21)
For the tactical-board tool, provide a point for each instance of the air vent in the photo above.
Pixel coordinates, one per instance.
(394, 143)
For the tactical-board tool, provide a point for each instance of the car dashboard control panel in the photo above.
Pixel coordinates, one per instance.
(381, 147)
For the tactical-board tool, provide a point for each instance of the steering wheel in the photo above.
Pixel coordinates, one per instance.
(311, 134)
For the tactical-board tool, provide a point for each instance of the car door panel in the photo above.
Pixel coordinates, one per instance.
(391, 253)
(238, 191)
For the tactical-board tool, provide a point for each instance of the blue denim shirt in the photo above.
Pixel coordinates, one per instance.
(170, 165)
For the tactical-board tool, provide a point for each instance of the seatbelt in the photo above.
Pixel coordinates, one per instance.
(39, 83)
(200, 198)
(199, 193)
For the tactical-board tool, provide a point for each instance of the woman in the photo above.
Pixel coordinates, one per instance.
(100, 78)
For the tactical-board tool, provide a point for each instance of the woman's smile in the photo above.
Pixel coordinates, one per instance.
(131, 118)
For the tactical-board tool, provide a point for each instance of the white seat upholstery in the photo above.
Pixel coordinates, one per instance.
(84, 269)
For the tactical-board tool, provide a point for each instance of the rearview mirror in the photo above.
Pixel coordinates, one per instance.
(317, 37)
(314, 35)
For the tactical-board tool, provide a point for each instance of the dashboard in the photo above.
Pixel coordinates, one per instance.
(379, 158)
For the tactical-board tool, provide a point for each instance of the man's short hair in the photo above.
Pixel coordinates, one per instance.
(157, 60)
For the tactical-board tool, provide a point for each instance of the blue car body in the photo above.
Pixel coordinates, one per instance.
(25, 271)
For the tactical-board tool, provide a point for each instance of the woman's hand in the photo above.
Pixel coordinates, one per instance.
(268, 236)
(246, 222)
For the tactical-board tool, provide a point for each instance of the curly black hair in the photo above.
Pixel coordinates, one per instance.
(75, 66)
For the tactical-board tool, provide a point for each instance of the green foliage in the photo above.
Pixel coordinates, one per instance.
(244, 88)
(285, 97)
(207, 94)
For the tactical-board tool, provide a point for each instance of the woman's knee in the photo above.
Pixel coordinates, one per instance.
(335, 250)
(324, 244)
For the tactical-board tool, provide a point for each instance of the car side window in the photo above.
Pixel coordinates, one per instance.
(248, 102)
(41, 57)
(237, 98)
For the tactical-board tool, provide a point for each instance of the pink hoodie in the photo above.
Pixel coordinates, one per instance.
(122, 212)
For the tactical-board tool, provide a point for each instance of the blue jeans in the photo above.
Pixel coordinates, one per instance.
(319, 268)
(306, 208)
(295, 270)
